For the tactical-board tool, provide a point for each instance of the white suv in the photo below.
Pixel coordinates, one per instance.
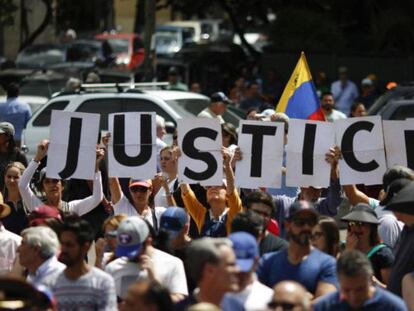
(171, 105)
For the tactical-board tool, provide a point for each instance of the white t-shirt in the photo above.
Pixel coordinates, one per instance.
(160, 198)
(169, 271)
(123, 206)
(254, 297)
(9, 242)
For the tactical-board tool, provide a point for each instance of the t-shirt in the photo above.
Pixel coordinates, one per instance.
(123, 206)
(316, 267)
(271, 243)
(382, 300)
(382, 259)
(404, 262)
(168, 269)
(94, 290)
(254, 297)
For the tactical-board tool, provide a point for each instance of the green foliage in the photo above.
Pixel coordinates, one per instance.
(7, 10)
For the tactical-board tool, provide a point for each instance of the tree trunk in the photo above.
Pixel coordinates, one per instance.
(48, 17)
(149, 29)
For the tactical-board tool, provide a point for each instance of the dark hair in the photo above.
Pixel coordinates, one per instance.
(396, 172)
(326, 93)
(259, 197)
(250, 110)
(156, 294)
(79, 227)
(354, 263)
(330, 231)
(354, 107)
(374, 238)
(249, 222)
(13, 90)
(232, 131)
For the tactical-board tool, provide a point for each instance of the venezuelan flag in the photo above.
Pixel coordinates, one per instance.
(299, 99)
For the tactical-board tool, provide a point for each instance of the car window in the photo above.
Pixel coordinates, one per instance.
(103, 106)
(43, 119)
(143, 105)
(119, 45)
(403, 112)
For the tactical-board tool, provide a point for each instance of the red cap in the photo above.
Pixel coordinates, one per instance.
(42, 213)
(140, 183)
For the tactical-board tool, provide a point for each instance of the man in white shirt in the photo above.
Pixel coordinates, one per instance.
(327, 108)
(37, 253)
(139, 259)
(253, 294)
(217, 107)
(8, 241)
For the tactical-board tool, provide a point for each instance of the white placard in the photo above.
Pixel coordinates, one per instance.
(309, 169)
(200, 141)
(71, 155)
(368, 150)
(134, 144)
(265, 171)
(396, 144)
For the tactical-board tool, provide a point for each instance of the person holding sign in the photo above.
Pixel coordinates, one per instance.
(53, 188)
(223, 199)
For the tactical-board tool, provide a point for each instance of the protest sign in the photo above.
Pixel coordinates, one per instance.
(362, 145)
(261, 144)
(72, 149)
(132, 147)
(201, 159)
(308, 143)
(399, 142)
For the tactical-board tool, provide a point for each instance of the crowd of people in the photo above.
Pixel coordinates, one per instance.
(161, 244)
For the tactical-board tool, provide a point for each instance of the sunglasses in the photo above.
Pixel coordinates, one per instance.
(283, 305)
(300, 222)
(138, 189)
(316, 235)
(355, 224)
(111, 234)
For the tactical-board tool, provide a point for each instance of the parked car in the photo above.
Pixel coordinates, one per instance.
(127, 47)
(171, 105)
(38, 56)
(170, 39)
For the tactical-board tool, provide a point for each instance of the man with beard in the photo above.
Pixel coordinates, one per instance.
(327, 112)
(80, 286)
(301, 262)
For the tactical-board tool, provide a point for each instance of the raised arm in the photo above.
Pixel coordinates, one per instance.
(196, 210)
(233, 198)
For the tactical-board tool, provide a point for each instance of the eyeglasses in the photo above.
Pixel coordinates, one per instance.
(138, 189)
(316, 235)
(300, 222)
(261, 213)
(355, 224)
(284, 305)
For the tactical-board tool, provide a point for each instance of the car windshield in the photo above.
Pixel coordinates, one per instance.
(193, 107)
(119, 45)
(167, 41)
(39, 56)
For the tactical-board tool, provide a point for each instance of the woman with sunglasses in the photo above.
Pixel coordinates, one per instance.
(363, 235)
(53, 188)
(17, 220)
(105, 247)
(325, 236)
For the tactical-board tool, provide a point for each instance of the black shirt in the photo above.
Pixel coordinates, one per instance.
(382, 259)
(271, 243)
(404, 261)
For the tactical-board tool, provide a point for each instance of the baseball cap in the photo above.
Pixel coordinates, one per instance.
(393, 188)
(362, 212)
(367, 82)
(7, 128)
(403, 201)
(173, 219)
(42, 213)
(302, 208)
(132, 232)
(219, 97)
(245, 248)
(147, 183)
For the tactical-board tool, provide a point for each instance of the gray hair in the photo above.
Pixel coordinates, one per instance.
(43, 237)
(354, 263)
(203, 251)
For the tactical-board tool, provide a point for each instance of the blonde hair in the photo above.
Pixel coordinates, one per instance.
(114, 221)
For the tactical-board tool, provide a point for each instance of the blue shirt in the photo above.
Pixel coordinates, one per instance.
(17, 113)
(318, 266)
(382, 300)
